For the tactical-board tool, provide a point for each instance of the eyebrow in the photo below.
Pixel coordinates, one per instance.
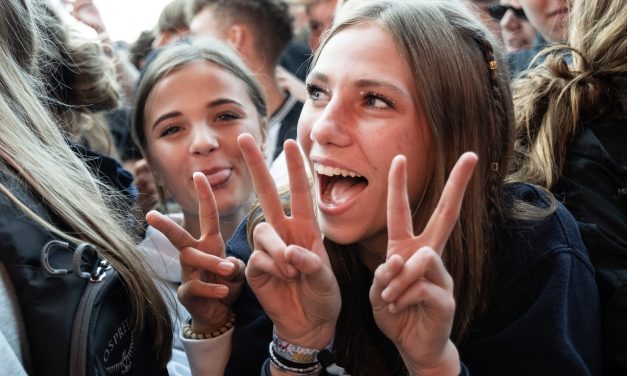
(361, 84)
(214, 103)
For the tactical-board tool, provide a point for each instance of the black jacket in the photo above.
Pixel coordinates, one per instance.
(544, 317)
(594, 188)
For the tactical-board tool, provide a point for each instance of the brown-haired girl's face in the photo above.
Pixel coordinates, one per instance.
(359, 114)
(193, 116)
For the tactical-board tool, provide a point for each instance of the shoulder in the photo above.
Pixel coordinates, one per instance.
(237, 245)
(161, 255)
(524, 243)
(601, 140)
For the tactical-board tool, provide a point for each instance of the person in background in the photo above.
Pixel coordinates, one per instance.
(482, 11)
(387, 268)
(193, 101)
(320, 14)
(86, 12)
(259, 30)
(141, 48)
(571, 115)
(550, 19)
(80, 88)
(80, 83)
(46, 191)
(516, 31)
(300, 24)
(172, 23)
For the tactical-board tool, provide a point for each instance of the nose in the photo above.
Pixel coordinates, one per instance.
(331, 127)
(509, 22)
(203, 140)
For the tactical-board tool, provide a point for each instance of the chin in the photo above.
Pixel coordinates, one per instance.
(338, 234)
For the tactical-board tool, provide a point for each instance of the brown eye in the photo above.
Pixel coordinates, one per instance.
(169, 130)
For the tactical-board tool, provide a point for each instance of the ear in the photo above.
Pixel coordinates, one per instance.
(236, 35)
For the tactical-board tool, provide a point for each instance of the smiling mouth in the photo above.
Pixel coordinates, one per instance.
(338, 186)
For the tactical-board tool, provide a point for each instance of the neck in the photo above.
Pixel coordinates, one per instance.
(274, 95)
(372, 252)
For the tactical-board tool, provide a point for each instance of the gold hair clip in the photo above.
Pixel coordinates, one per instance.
(494, 166)
(492, 64)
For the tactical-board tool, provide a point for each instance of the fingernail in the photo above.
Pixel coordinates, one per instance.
(225, 266)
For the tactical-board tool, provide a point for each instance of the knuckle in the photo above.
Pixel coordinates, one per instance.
(449, 303)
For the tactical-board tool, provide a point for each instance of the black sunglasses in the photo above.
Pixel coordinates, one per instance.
(497, 11)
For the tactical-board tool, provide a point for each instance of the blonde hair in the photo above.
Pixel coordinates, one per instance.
(80, 83)
(32, 147)
(576, 83)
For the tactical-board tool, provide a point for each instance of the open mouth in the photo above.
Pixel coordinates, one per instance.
(338, 186)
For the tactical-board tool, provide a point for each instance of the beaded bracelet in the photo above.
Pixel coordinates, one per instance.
(189, 334)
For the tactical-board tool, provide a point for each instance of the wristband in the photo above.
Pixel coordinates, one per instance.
(295, 353)
(294, 368)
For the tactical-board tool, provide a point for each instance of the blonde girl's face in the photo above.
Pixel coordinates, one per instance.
(359, 114)
(192, 119)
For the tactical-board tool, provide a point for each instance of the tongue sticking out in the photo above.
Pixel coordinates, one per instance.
(218, 177)
(340, 190)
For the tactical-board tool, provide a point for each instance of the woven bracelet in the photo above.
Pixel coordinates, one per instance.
(302, 369)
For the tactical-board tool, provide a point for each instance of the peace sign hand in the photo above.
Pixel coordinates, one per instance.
(412, 293)
(210, 282)
(289, 270)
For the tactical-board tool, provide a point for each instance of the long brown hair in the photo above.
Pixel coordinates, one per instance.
(466, 103)
(462, 86)
(575, 83)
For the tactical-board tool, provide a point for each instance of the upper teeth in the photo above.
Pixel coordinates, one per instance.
(334, 171)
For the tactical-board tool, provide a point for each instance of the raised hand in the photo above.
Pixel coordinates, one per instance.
(148, 197)
(289, 270)
(412, 293)
(210, 282)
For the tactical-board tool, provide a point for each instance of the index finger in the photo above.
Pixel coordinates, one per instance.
(445, 215)
(207, 209)
(301, 202)
(398, 212)
(172, 230)
(262, 180)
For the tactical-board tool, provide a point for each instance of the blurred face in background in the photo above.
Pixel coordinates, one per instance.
(480, 9)
(320, 18)
(516, 31)
(549, 17)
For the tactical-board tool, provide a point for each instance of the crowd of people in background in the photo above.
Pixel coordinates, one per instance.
(316, 187)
